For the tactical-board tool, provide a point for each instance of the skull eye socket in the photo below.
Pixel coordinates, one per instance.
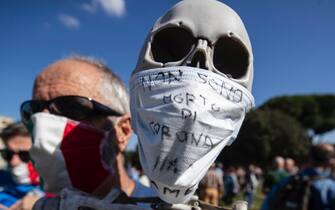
(171, 44)
(231, 57)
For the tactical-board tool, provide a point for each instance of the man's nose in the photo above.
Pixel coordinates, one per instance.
(16, 160)
(198, 59)
(45, 110)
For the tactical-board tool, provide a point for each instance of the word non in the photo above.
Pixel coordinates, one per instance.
(151, 80)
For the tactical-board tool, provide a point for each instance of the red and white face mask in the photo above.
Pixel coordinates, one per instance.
(25, 173)
(67, 154)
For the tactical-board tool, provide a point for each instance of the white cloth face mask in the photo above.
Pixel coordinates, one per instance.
(184, 117)
(21, 174)
(67, 153)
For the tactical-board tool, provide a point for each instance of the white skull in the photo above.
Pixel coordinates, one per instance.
(205, 34)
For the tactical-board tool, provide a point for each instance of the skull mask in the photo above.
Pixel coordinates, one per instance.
(189, 93)
(203, 34)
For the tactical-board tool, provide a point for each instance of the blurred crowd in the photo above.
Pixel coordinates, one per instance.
(189, 94)
(223, 185)
(20, 183)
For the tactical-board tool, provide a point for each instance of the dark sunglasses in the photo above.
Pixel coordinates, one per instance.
(8, 155)
(74, 107)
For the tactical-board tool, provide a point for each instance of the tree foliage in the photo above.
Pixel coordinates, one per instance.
(314, 112)
(280, 127)
(132, 158)
(265, 134)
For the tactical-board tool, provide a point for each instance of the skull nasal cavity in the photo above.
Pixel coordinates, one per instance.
(199, 60)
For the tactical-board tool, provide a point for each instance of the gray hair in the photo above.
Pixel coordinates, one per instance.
(279, 162)
(112, 88)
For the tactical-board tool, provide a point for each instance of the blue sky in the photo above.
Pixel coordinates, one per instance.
(293, 41)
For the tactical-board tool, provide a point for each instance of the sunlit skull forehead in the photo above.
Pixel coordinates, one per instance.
(205, 34)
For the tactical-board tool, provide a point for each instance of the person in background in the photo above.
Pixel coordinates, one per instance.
(290, 166)
(251, 183)
(231, 185)
(276, 175)
(4, 122)
(312, 188)
(219, 170)
(19, 185)
(79, 114)
(241, 177)
(211, 187)
(258, 172)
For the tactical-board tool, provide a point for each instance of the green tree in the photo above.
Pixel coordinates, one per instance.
(132, 158)
(265, 134)
(314, 112)
(281, 127)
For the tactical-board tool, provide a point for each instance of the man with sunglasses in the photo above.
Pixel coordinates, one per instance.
(20, 187)
(80, 122)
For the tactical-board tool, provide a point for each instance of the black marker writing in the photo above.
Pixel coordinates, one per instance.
(188, 114)
(182, 136)
(157, 128)
(166, 164)
(189, 190)
(230, 92)
(193, 102)
(151, 80)
(171, 191)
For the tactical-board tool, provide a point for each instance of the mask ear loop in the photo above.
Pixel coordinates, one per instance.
(108, 151)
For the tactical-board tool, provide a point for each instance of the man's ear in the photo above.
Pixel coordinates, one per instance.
(123, 132)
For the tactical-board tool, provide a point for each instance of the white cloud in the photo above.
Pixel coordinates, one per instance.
(69, 21)
(90, 7)
(111, 7)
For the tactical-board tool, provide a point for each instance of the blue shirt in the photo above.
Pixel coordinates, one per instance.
(323, 190)
(10, 192)
(141, 191)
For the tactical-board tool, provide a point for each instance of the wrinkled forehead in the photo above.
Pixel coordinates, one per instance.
(209, 19)
(69, 77)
